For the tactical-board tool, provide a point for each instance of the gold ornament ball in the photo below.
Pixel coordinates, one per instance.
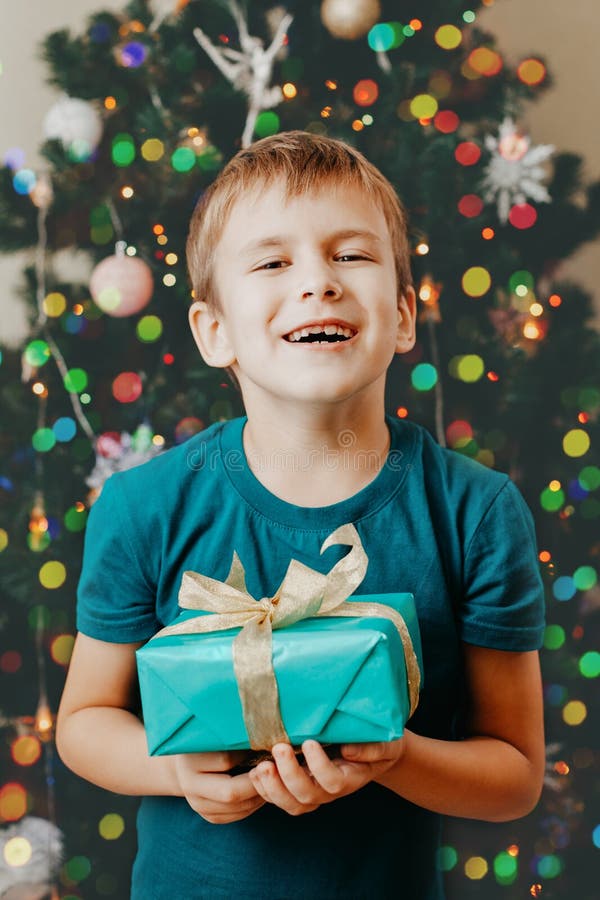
(350, 19)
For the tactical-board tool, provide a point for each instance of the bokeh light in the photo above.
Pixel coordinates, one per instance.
(26, 750)
(127, 387)
(17, 851)
(149, 329)
(576, 442)
(448, 37)
(52, 574)
(111, 826)
(531, 71)
(365, 92)
(522, 215)
(476, 281)
(54, 304)
(13, 801)
(574, 713)
(476, 868)
(424, 377)
(423, 106)
(61, 649)
(267, 122)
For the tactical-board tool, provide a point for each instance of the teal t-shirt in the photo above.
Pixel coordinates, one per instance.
(456, 534)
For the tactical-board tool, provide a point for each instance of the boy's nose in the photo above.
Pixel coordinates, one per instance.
(321, 287)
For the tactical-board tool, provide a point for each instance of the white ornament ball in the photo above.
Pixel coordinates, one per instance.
(121, 285)
(350, 19)
(76, 124)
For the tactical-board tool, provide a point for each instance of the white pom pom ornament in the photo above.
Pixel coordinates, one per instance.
(76, 124)
(349, 19)
(121, 285)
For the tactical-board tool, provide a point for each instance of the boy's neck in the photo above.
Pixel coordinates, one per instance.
(316, 461)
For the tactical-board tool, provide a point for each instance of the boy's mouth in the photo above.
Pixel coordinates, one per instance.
(325, 333)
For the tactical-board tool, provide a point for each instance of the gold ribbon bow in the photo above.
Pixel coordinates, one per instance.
(302, 593)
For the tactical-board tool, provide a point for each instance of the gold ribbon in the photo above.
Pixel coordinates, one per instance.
(303, 593)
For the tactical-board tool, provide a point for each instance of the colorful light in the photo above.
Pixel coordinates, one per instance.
(52, 574)
(37, 353)
(476, 281)
(132, 55)
(505, 867)
(65, 429)
(531, 71)
(522, 215)
(446, 121)
(423, 106)
(554, 637)
(75, 381)
(267, 122)
(585, 578)
(127, 387)
(467, 153)
(111, 826)
(447, 858)
(576, 442)
(485, 61)
(54, 304)
(365, 92)
(183, 159)
(26, 750)
(424, 377)
(476, 868)
(122, 150)
(61, 649)
(448, 37)
(152, 149)
(470, 206)
(13, 801)
(149, 329)
(43, 440)
(17, 851)
(589, 664)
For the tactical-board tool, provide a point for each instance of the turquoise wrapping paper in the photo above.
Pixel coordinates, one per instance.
(340, 680)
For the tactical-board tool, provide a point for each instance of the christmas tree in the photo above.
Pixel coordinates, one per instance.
(506, 367)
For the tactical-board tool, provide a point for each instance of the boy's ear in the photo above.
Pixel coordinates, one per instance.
(210, 335)
(406, 334)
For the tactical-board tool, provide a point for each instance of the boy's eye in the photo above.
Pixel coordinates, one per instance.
(273, 263)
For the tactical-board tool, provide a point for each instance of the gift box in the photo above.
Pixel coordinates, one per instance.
(310, 662)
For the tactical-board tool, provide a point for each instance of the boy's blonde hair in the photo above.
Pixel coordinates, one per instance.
(306, 162)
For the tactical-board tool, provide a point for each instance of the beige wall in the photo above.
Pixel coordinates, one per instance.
(568, 36)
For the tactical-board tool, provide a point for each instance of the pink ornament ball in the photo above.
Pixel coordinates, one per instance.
(121, 285)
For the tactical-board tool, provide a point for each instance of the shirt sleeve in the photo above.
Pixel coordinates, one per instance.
(503, 604)
(115, 600)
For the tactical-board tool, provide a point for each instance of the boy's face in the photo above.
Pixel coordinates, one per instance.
(279, 267)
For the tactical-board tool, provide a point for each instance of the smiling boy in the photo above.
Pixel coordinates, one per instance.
(299, 259)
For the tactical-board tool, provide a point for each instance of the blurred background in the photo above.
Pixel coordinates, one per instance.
(483, 117)
(569, 36)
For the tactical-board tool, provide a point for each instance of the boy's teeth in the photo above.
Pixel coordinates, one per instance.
(319, 329)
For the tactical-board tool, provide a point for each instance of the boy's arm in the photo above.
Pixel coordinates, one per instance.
(100, 738)
(98, 735)
(494, 774)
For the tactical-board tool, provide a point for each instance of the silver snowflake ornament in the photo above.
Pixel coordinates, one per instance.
(514, 172)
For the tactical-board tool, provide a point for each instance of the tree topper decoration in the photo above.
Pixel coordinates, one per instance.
(250, 69)
(513, 172)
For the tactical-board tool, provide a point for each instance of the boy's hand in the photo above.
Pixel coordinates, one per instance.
(218, 797)
(300, 789)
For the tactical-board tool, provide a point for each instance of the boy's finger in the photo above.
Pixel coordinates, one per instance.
(228, 790)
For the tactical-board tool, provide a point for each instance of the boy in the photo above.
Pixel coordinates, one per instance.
(300, 235)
